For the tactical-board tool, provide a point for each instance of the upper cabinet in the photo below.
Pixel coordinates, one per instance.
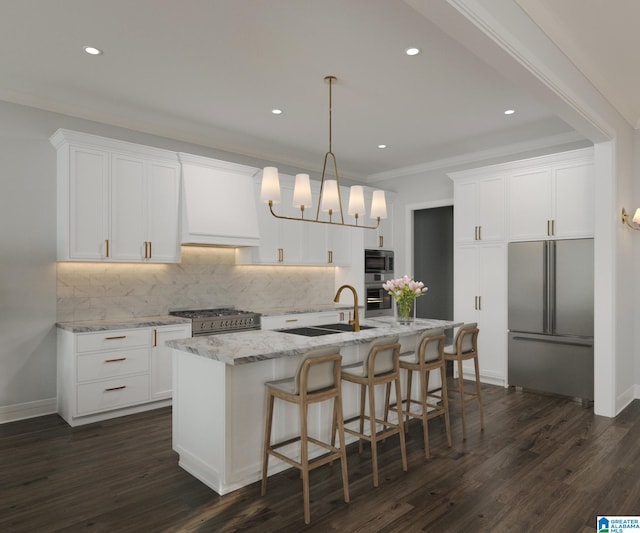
(294, 242)
(117, 201)
(479, 213)
(552, 202)
(218, 207)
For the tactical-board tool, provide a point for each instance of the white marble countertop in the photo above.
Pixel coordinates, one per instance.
(259, 345)
(87, 326)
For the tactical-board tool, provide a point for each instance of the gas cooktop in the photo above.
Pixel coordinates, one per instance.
(219, 320)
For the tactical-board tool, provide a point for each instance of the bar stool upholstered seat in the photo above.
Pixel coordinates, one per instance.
(465, 347)
(433, 404)
(317, 379)
(380, 367)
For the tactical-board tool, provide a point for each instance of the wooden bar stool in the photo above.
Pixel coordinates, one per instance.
(380, 367)
(464, 347)
(429, 356)
(317, 379)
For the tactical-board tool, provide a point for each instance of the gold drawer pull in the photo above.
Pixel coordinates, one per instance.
(115, 388)
(115, 338)
(291, 320)
(115, 360)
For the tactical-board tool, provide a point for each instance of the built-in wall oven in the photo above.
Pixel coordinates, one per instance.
(377, 301)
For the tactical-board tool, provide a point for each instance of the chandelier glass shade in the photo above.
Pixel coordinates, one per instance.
(330, 200)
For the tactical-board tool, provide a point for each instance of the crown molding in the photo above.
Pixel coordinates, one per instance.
(477, 157)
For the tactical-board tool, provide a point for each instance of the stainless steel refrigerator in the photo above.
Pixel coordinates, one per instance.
(550, 321)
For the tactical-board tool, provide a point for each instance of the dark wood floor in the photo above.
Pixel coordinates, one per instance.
(542, 463)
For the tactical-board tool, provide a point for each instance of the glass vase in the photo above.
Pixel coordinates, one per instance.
(405, 311)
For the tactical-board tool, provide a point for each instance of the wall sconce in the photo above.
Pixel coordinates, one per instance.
(635, 221)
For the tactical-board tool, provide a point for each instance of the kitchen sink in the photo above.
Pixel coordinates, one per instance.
(324, 329)
(308, 332)
(341, 326)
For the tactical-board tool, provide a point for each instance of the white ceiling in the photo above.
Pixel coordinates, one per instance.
(210, 71)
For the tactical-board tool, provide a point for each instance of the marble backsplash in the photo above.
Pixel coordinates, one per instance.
(207, 277)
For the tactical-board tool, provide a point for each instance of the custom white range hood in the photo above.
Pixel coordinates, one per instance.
(218, 203)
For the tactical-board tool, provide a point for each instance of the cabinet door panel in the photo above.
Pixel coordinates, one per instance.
(529, 205)
(128, 208)
(88, 205)
(163, 194)
(161, 361)
(466, 206)
(491, 209)
(465, 272)
(492, 313)
(573, 201)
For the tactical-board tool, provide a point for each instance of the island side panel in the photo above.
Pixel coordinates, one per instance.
(199, 407)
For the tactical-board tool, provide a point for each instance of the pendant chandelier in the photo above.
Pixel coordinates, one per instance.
(330, 199)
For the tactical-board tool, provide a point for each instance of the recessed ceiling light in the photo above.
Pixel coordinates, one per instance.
(277, 111)
(412, 51)
(92, 50)
(382, 146)
(509, 111)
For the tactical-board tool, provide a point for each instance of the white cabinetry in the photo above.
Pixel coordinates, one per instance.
(161, 364)
(480, 265)
(552, 199)
(117, 201)
(293, 242)
(480, 296)
(479, 213)
(114, 372)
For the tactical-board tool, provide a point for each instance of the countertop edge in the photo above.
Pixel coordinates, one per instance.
(89, 326)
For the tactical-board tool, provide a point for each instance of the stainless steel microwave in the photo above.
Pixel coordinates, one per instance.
(378, 262)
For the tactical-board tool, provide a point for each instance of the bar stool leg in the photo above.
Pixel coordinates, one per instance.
(363, 391)
(445, 403)
(478, 391)
(304, 460)
(337, 404)
(374, 441)
(462, 409)
(403, 447)
(424, 379)
(267, 442)
(408, 405)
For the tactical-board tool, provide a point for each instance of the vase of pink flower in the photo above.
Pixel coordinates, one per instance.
(404, 291)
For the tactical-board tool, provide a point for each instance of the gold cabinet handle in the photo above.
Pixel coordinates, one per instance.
(115, 338)
(479, 233)
(155, 338)
(280, 255)
(548, 227)
(106, 242)
(479, 303)
(118, 360)
(291, 320)
(150, 251)
(553, 227)
(330, 257)
(111, 389)
(475, 303)
(381, 241)
(341, 316)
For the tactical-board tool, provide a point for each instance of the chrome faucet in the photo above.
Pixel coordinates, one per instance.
(356, 317)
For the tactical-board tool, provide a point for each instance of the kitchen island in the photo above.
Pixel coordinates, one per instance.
(219, 396)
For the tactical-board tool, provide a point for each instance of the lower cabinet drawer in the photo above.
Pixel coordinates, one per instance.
(112, 393)
(113, 339)
(106, 365)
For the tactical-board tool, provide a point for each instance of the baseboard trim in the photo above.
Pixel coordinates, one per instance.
(22, 411)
